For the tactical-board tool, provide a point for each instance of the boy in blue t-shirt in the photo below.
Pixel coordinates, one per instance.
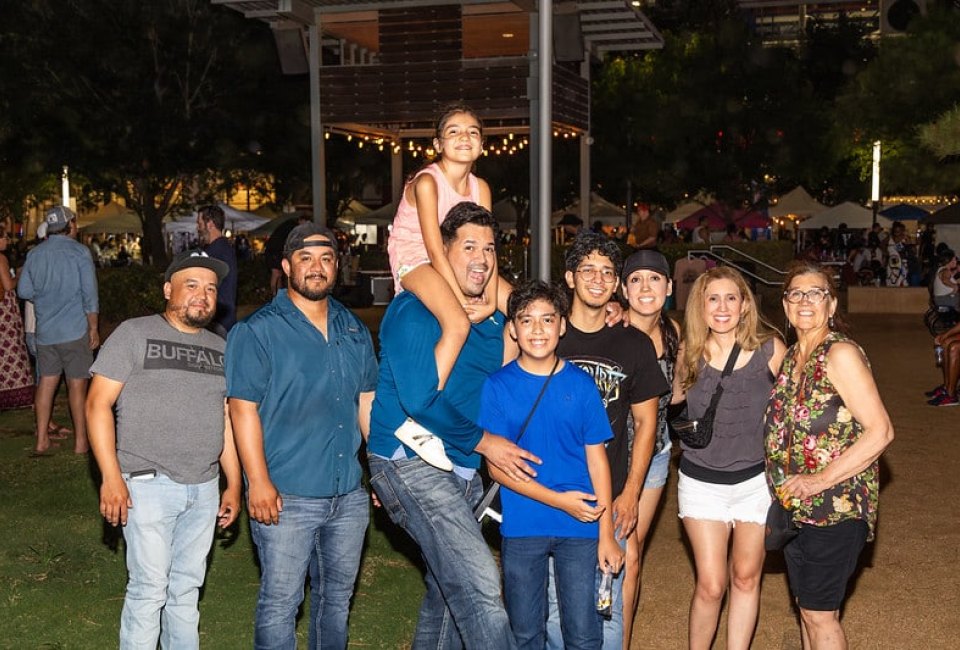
(564, 513)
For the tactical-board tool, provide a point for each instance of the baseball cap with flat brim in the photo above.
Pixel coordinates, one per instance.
(297, 238)
(196, 259)
(647, 259)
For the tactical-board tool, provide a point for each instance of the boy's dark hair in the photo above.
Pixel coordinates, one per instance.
(463, 213)
(529, 292)
(586, 243)
(213, 213)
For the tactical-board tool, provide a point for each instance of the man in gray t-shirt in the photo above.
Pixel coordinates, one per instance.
(160, 459)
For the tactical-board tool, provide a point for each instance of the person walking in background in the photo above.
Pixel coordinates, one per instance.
(646, 286)
(565, 516)
(301, 372)
(645, 229)
(826, 428)
(60, 279)
(722, 492)
(16, 381)
(273, 249)
(160, 459)
(701, 235)
(210, 226)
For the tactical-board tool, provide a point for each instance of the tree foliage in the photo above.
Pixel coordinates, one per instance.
(713, 110)
(914, 80)
(158, 102)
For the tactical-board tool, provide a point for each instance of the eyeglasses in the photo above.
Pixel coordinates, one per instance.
(590, 273)
(814, 296)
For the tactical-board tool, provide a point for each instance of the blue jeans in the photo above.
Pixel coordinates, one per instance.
(525, 577)
(319, 536)
(168, 536)
(462, 606)
(612, 627)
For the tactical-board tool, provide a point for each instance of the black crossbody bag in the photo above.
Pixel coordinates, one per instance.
(697, 434)
(489, 505)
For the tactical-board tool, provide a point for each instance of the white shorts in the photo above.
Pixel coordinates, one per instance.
(747, 501)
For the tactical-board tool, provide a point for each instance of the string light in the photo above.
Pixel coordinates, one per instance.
(507, 145)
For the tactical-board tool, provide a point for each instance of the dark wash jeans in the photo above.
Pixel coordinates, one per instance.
(525, 572)
(462, 607)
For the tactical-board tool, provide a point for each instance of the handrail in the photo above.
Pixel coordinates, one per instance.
(719, 258)
(752, 259)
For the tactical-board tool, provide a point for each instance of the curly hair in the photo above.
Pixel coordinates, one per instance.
(529, 292)
(588, 242)
(752, 331)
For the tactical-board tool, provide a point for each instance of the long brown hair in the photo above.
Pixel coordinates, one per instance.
(448, 111)
(752, 331)
(808, 267)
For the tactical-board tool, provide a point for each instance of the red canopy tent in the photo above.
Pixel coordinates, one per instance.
(719, 215)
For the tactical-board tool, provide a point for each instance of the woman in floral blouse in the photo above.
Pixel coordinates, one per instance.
(825, 430)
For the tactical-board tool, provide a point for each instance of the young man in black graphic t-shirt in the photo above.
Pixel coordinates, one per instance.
(161, 459)
(623, 364)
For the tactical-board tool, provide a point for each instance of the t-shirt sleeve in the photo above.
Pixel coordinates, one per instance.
(492, 417)
(596, 424)
(118, 355)
(247, 364)
(648, 380)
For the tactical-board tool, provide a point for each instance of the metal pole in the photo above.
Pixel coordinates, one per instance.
(585, 153)
(533, 92)
(545, 143)
(317, 148)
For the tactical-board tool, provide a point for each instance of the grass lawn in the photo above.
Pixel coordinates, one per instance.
(62, 572)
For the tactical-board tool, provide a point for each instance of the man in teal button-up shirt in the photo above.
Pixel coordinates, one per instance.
(300, 379)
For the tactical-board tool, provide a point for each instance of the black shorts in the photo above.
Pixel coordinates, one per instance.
(821, 560)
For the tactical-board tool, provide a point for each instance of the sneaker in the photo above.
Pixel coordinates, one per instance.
(424, 444)
(936, 392)
(944, 400)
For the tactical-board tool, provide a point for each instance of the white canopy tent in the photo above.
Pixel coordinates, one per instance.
(111, 219)
(797, 202)
(234, 221)
(684, 210)
(600, 210)
(855, 216)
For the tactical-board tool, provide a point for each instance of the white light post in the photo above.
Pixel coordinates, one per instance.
(875, 194)
(65, 187)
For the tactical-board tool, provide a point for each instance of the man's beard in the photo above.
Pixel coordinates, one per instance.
(315, 295)
(189, 319)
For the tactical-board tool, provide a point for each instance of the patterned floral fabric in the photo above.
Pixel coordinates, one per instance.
(807, 427)
(16, 378)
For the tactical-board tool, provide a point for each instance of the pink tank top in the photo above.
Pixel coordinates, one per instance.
(405, 246)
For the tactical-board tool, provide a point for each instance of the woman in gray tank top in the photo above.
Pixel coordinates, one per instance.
(722, 491)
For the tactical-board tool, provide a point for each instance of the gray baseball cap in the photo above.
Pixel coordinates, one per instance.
(58, 218)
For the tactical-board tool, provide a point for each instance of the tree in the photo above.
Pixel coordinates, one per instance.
(155, 101)
(713, 110)
(942, 136)
(914, 80)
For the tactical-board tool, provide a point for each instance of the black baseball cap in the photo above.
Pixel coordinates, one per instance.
(297, 237)
(196, 258)
(648, 259)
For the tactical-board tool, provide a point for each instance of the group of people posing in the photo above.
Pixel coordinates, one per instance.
(561, 390)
